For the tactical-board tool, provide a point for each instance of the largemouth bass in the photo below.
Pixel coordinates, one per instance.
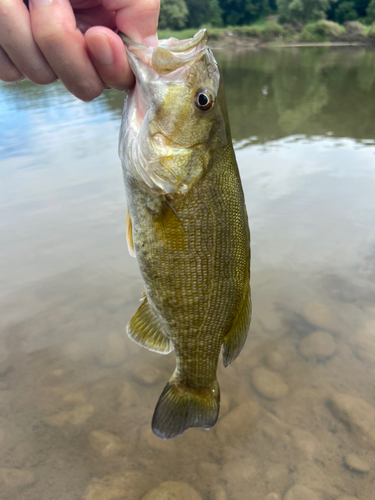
(186, 224)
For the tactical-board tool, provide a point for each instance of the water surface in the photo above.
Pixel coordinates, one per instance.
(77, 396)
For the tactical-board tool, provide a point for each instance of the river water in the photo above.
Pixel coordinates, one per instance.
(298, 406)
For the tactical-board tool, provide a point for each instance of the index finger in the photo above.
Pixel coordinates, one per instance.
(138, 19)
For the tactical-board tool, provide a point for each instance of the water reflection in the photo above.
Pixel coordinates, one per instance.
(76, 396)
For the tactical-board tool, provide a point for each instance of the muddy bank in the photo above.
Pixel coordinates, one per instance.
(322, 33)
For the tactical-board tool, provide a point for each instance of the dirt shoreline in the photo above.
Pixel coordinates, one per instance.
(254, 46)
(238, 43)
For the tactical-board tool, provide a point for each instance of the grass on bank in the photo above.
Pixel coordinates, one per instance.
(266, 31)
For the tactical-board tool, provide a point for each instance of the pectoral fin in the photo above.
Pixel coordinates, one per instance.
(236, 337)
(129, 234)
(144, 328)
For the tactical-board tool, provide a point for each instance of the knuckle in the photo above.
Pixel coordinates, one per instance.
(49, 34)
(42, 79)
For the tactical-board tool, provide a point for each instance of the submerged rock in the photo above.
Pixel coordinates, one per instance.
(105, 443)
(278, 477)
(357, 414)
(346, 497)
(218, 493)
(172, 490)
(320, 316)
(318, 345)
(275, 361)
(354, 463)
(114, 353)
(129, 485)
(238, 474)
(238, 425)
(305, 442)
(148, 375)
(300, 492)
(363, 342)
(16, 478)
(75, 417)
(268, 384)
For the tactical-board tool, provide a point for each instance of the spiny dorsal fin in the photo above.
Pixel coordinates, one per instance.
(129, 234)
(236, 337)
(144, 328)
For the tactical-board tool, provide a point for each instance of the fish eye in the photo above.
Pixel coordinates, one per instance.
(203, 99)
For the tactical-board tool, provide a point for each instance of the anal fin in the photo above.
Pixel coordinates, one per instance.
(144, 328)
(236, 337)
(129, 234)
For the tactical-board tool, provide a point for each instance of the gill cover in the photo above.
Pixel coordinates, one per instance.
(171, 113)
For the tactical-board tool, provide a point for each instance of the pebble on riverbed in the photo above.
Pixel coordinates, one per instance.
(275, 361)
(268, 384)
(320, 316)
(16, 478)
(218, 493)
(172, 490)
(318, 345)
(238, 425)
(128, 484)
(363, 342)
(75, 417)
(148, 375)
(355, 464)
(346, 497)
(305, 443)
(357, 414)
(300, 492)
(106, 443)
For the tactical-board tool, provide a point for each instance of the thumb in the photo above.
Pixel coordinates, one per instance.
(138, 19)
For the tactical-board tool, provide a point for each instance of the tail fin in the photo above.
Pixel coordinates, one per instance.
(180, 407)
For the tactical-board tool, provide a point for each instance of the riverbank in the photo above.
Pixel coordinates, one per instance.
(272, 33)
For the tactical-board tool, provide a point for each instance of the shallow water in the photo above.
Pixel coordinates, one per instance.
(77, 396)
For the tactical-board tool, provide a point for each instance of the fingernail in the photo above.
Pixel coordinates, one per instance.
(41, 3)
(100, 48)
(151, 41)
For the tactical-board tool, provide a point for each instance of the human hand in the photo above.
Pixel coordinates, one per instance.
(73, 40)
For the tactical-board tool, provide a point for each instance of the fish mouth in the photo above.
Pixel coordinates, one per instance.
(170, 55)
(172, 44)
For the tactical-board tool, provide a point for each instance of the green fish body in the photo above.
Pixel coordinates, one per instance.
(187, 225)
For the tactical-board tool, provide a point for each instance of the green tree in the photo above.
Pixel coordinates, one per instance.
(244, 11)
(341, 11)
(173, 14)
(216, 14)
(302, 11)
(361, 6)
(345, 12)
(371, 11)
(199, 12)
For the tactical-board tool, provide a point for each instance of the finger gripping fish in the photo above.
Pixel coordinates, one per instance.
(186, 224)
